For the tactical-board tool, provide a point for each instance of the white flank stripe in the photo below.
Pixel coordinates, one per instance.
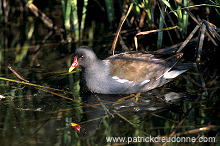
(172, 74)
(121, 80)
(145, 81)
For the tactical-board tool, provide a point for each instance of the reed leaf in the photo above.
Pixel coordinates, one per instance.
(169, 6)
(161, 25)
(75, 19)
(82, 24)
(110, 10)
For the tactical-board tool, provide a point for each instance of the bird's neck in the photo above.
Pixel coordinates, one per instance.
(95, 66)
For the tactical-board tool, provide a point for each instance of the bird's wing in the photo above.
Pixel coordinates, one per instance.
(139, 67)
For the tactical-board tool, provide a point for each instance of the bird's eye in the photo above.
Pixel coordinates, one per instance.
(82, 57)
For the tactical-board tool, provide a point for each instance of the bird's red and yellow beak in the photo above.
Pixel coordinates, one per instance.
(74, 64)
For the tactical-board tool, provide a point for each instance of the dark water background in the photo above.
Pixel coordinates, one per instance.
(32, 115)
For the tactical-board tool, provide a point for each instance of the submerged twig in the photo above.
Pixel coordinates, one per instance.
(30, 84)
(150, 31)
(125, 119)
(197, 21)
(212, 29)
(17, 74)
(201, 40)
(104, 107)
(54, 93)
(162, 117)
(183, 119)
(123, 18)
(172, 49)
(188, 38)
(38, 47)
(41, 15)
(202, 129)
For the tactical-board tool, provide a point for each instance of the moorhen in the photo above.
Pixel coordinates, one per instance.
(124, 73)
